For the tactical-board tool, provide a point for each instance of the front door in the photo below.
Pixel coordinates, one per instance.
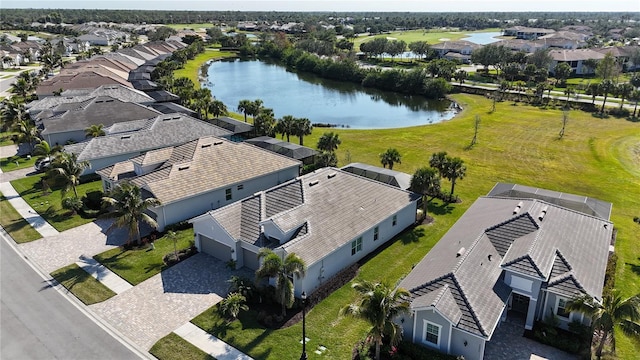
(520, 303)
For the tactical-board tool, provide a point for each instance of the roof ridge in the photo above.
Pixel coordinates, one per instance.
(467, 253)
(468, 304)
(564, 259)
(565, 276)
(513, 218)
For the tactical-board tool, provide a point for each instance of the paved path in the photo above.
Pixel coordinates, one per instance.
(161, 304)
(209, 343)
(16, 174)
(8, 151)
(104, 275)
(68, 247)
(44, 228)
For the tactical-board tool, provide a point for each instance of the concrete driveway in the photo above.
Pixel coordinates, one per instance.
(163, 303)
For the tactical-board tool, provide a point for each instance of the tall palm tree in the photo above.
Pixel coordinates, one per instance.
(264, 122)
(255, 108)
(635, 97)
(329, 142)
(614, 311)
(282, 270)
(94, 131)
(606, 86)
(286, 126)
(128, 208)
(302, 128)
(624, 91)
(67, 167)
(27, 132)
(244, 106)
(217, 108)
(43, 149)
(438, 161)
(426, 181)
(390, 157)
(454, 170)
(379, 305)
(20, 87)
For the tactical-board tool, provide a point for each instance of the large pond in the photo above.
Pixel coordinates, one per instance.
(322, 101)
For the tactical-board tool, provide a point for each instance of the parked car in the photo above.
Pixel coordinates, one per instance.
(42, 164)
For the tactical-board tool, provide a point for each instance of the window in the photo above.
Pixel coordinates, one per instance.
(240, 187)
(395, 220)
(561, 308)
(431, 334)
(228, 194)
(375, 233)
(356, 246)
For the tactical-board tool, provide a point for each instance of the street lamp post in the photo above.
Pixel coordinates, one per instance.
(303, 296)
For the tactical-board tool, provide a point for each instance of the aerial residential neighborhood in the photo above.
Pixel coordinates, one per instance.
(215, 181)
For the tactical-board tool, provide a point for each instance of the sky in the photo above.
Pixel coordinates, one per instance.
(338, 6)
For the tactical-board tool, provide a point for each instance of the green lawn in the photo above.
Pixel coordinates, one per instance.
(516, 143)
(194, 27)
(430, 36)
(16, 225)
(9, 164)
(49, 206)
(193, 67)
(173, 347)
(84, 286)
(138, 265)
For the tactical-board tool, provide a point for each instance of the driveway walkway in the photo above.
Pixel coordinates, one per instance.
(44, 228)
(509, 344)
(209, 343)
(163, 303)
(16, 174)
(67, 247)
(105, 276)
(8, 151)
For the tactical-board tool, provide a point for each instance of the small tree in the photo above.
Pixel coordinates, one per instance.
(329, 142)
(476, 127)
(94, 131)
(72, 203)
(171, 235)
(425, 181)
(454, 170)
(67, 167)
(231, 306)
(565, 119)
(282, 271)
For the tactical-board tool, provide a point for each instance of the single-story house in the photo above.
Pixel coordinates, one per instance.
(575, 59)
(387, 176)
(330, 218)
(460, 50)
(527, 33)
(294, 151)
(518, 252)
(200, 175)
(129, 139)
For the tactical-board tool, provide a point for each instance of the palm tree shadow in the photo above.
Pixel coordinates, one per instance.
(634, 267)
(441, 209)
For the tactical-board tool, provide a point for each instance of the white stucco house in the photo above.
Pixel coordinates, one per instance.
(330, 218)
(200, 175)
(519, 252)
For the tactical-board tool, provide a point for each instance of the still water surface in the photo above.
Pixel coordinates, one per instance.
(322, 101)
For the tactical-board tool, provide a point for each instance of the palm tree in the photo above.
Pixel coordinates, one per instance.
(454, 170)
(67, 167)
(390, 157)
(624, 91)
(94, 131)
(43, 149)
(27, 132)
(613, 312)
(379, 305)
(20, 88)
(302, 128)
(255, 108)
(426, 181)
(274, 267)
(244, 106)
(129, 208)
(286, 126)
(438, 161)
(606, 86)
(329, 142)
(231, 305)
(217, 108)
(264, 122)
(635, 97)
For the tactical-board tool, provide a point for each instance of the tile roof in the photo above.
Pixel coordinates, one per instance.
(288, 149)
(155, 133)
(567, 248)
(202, 165)
(326, 209)
(575, 55)
(387, 176)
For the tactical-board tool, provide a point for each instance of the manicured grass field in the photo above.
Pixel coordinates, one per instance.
(84, 286)
(173, 347)
(430, 36)
(9, 164)
(16, 225)
(193, 68)
(138, 265)
(49, 206)
(516, 143)
(194, 27)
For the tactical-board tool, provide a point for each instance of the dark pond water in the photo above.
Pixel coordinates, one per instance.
(320, 100)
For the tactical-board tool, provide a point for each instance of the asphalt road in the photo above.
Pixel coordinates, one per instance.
(37, 322)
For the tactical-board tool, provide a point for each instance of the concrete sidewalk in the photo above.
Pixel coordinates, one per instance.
(33, 218)
(104, 275)
(209, 343)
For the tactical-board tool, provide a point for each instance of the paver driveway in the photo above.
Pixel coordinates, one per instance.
(163, 303)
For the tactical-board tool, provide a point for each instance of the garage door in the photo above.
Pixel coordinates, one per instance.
(214, 248)
(250, 259)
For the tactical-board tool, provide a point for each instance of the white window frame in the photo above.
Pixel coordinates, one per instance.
(356, 246)
(424, 334)
(555, 310)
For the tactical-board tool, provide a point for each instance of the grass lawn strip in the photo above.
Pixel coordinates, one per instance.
(193, 67)
(16, 225)
(516, 143)
(173, 347)
(49, 206)
(84, 286)
(9, 164)
(5, 138)
(138, 265)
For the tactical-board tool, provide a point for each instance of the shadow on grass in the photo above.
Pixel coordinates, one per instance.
(68, 278)
(441, 209)
(634, 267)
(413, 236)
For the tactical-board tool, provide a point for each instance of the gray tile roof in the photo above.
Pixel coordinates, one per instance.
(575, 55)
(162, 131)
(291, 150)
(103, 110)
(566, 248)
(233, 125)
(328, 208)
(391, 177)
(203, 165)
